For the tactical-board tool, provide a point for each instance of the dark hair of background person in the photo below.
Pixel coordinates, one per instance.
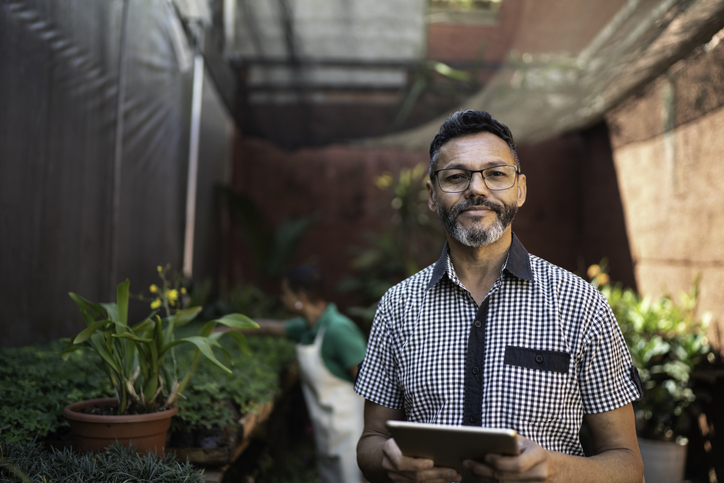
(465, 122)
(307, 279)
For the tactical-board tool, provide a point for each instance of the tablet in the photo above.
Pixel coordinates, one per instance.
(449, 445)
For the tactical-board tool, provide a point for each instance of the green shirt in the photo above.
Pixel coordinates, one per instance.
(343, 346)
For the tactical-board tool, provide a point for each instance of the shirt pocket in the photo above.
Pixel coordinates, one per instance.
(540, 384)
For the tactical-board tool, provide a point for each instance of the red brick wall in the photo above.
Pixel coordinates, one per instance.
(572, 216)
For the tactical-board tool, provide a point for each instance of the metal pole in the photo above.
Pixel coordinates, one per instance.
(118, 154)
(196, 104)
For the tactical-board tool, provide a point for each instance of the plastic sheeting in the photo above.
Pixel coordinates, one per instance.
(58, 116)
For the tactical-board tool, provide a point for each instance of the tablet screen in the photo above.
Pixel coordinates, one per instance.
(449, 445)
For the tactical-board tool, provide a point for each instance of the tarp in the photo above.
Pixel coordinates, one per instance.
(59, 85)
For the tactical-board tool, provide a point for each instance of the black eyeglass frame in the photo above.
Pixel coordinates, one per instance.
(472, 172)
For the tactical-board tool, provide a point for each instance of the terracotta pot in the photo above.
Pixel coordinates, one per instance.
(664, 461)
(93, 432)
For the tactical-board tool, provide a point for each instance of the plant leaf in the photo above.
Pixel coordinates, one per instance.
(203, 345)
(184, 316)
(95, 309)
(237, 321)
(122, 300)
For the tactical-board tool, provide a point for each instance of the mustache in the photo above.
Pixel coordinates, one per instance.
(460, 207)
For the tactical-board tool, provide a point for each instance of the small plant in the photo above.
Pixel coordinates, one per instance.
(32, 462)
(135, 358)
(668, 344)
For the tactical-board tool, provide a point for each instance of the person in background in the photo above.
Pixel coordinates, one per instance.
(493, 336)
(329, 348)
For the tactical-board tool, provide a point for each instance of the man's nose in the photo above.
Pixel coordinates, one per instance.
(477, 185)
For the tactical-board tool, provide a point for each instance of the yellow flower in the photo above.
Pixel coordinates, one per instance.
(183, 290)
(593, 271)
(153, 288)
(156, 304)
(159, 269)
(172, 294)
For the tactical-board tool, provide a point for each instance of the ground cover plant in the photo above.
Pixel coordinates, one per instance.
(35, 386)
(32, 461)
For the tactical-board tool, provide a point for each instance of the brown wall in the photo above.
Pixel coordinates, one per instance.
(667, 149)
(572, 217)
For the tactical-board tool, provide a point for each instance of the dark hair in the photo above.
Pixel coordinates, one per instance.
(466, 122)
(307, 279)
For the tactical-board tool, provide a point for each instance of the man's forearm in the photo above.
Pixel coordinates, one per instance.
(620, 465)
(369, 458)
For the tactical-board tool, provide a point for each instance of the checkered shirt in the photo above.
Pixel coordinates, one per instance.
(542, 349)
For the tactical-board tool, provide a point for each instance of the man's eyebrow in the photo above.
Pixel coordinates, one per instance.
(490, 164)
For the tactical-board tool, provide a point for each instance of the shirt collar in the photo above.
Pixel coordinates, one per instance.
(517, 263)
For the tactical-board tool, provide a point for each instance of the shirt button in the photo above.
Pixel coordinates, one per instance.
(477, 323)
(475, 370)
(539, 358)
(472, 419)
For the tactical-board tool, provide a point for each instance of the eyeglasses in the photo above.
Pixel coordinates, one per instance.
(457, 180)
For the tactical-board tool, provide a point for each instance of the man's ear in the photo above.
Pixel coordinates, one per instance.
(522, 190)
(431, 196)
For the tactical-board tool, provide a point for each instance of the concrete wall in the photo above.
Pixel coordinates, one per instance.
(667, 149)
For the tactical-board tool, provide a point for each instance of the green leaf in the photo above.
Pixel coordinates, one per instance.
(240, 340)
(88, 332)
(203, 345)
(131, 336)
(184, 316)
(122, 300)
(112, 310)
(99, 345)
(237, 321)
(95, 309)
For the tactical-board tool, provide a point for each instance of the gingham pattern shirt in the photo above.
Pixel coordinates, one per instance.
(542, 349)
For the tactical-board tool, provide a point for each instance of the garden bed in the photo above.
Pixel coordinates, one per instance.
(217, 416)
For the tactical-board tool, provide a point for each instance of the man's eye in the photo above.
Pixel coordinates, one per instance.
(455, 177)
(495, 173)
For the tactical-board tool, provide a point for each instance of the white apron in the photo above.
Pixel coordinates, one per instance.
(337, 415)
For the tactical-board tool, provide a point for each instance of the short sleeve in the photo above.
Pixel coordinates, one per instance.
(348, 344)
(295, 329)
(606, 376)
(377, 379)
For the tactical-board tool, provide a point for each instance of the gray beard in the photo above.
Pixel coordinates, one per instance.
(475, 236)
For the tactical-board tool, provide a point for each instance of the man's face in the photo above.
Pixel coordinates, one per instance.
(477, 216)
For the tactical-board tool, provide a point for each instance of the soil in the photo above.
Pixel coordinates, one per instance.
(103, 410)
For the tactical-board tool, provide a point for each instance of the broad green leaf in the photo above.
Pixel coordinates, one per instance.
(184, 316)
(96, 309)
(237, 321)
(112, 310)
(143, 325)
(99, 345)
(131, 336)
(88, 332)
(240, 340)
(86, 316)
(122, 300)
(203, 345)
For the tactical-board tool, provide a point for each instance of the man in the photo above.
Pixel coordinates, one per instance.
(329, 348)
(493, 336)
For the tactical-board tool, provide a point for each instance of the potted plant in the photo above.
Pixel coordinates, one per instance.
(140, 364)
(668, 343)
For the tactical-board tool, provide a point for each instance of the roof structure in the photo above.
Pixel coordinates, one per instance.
(543, 94)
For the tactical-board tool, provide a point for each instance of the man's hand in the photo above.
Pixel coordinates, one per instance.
(532, 464)
(403, 468)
